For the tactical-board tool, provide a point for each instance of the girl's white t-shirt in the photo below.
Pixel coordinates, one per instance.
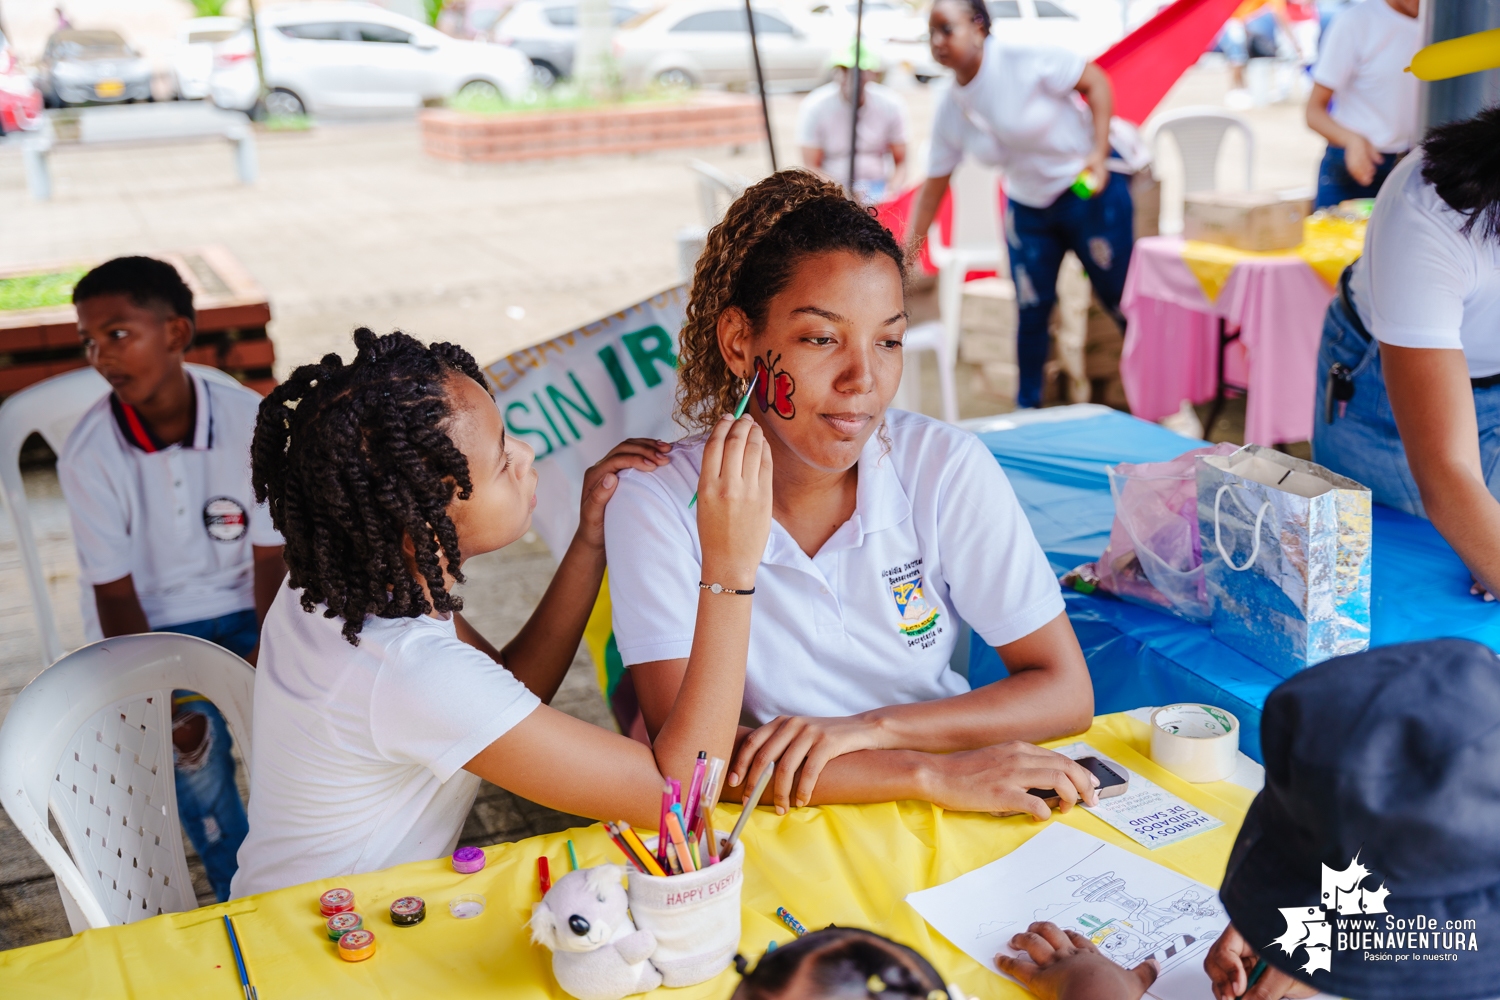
(1020, 113)
(1363, 61)
(1423, 281)
(358, 751)
(937, 535)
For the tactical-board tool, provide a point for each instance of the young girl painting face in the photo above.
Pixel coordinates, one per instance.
(826, 356)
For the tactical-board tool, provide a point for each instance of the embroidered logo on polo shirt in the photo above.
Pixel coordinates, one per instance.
(905, 583)
(225, 519)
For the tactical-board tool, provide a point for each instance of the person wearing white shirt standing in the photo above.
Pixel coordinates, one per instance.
(1042, 116)
(824, 129)
(889, 528)
(169, 537)
(1409, 387)
(1363, 102)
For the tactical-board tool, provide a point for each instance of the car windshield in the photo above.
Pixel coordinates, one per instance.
(90, 45)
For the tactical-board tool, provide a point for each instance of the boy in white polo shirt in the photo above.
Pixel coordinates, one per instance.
(1363, 102)
(169, 538)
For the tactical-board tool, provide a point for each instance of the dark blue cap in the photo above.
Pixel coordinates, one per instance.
(1393, 756)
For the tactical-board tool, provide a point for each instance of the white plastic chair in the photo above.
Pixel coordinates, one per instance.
(51, 408)
(90, 739)
(1199, 133)
(975, 246)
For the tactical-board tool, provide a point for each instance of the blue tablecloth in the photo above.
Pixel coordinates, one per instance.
(1138, 656)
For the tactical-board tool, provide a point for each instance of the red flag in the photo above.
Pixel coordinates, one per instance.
(1145, 63)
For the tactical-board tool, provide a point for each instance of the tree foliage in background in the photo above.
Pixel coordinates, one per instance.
(433, 8)
(209, 8)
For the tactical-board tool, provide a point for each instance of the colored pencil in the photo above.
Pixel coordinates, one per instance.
(239, 958)
(692, 841)
(627, 832)
(679, 841)
(543, 875)
(1255, 974)
(695, 791)
(750, 804)
(625, 848)
(572, 856)
(739, 411)
(713, 785)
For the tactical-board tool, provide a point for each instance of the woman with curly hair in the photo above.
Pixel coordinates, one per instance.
(889, 527)
(377, 707)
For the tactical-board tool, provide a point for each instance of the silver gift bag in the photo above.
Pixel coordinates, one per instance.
(1286, 557)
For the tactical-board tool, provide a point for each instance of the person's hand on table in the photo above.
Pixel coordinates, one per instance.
(998, 780)
(599, 482)
(797, 741)
(1229, 964)
(1361, 158)
(1065, 965)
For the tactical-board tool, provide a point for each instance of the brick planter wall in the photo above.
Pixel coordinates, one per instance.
(704, 119)
(232, 315)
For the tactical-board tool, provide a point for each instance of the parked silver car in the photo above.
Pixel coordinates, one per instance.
(547, 32)
(84, 67)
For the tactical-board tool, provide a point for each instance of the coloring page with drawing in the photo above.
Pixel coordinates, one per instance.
(1131, 908)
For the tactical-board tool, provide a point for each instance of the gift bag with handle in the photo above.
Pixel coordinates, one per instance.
(1286, 557)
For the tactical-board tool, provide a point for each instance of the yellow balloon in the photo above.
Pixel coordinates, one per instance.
(1457, 56)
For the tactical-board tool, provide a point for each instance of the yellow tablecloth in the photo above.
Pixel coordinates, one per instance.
(850, 865)
(1328, 246)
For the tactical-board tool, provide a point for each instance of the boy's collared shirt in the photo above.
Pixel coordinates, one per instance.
(180, 520)
(937, 535)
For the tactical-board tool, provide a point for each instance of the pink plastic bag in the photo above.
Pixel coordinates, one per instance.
(1153, 555)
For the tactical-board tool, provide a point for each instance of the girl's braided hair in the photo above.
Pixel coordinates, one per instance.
(749, 257)
(844, 963)
(352, 460)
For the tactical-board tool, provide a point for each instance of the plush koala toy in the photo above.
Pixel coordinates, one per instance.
(597, 953)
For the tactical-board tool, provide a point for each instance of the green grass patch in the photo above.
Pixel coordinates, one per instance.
(563, 97)
(37, 291)
(287, 123)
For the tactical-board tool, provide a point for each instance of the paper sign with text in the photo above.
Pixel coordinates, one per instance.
(1147, 813)
(575, 397)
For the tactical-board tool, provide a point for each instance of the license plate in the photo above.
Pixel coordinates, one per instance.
(109, 88)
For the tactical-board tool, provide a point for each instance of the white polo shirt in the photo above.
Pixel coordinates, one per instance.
(359, 750)
(871, 620)
(1363, 61)
(1020, 113)
(1422, 281)
(823, 122)
(180, 521)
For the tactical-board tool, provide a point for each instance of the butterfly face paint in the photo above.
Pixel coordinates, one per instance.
(773, 388)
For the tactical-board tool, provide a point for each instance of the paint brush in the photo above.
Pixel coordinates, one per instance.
(739, 411)
(750, 804)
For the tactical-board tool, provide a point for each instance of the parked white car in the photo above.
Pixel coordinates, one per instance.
(349, 56)
(546, 31)
(1086, 27)
(693, 42)
(894, 31)
(193, 55)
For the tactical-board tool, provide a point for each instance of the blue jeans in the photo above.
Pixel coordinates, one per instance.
(208, 801)
(1100, 230)
(1336, 185)
(1362, 442)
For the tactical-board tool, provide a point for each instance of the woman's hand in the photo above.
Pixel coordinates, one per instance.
(1229, 964)
(795, 741)
(1097, 168)
(1065, 965)
(599, 482)
(998, 779)
(734, 503)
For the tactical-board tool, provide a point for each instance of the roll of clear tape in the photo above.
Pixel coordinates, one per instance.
(1195, 742)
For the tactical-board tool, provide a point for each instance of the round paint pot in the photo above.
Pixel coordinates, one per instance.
(408, 911)
(356, 946)
(342, 923)
(470, 904)
(468, 860)
(336, 901)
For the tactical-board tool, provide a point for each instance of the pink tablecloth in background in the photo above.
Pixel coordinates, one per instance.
(1276, 301)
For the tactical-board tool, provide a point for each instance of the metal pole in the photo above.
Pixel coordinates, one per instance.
(1463, 96)
(857, 92)
(760, 81)
(260, 66)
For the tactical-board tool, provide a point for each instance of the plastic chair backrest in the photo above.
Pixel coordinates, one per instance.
(51, 408)
(716, 186)
(976, 207)
(91, 739)
(1199, 132)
